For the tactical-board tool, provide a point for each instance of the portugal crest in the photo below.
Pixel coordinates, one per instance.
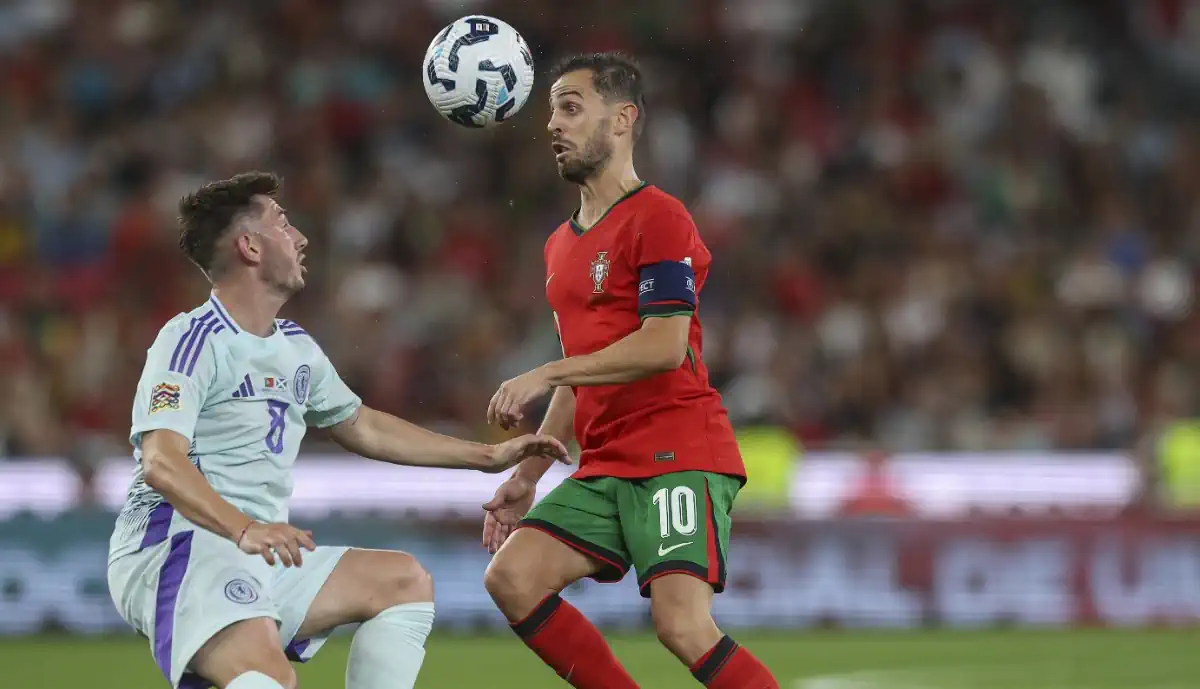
(600, 272)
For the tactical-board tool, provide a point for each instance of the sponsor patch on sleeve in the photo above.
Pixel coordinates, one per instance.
(164, 397)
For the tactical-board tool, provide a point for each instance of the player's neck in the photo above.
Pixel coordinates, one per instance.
(252, 308)
(601, 191)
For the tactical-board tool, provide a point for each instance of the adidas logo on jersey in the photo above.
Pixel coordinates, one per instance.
(246, 389)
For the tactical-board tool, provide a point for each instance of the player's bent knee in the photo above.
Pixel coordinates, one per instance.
(272, 665)
(244, 647)
(684, 624)
(256, 680)
(530, 566)
(677, 630)
(407, 580)
(514, 585)
(398, 579)
(685, 634)
(503, 579)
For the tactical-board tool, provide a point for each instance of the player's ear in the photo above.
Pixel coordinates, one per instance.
(627, 115)
(246, 246)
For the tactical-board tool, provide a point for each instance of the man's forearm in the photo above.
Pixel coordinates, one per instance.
(641, 354)
(559, 423)
(186, 489)
(383, 437)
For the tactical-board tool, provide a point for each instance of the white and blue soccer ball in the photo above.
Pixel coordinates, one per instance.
(478, 72)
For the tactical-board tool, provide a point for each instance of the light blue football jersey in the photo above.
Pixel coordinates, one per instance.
(243, 401)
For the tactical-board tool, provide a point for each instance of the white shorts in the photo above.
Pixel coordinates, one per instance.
(179, 593)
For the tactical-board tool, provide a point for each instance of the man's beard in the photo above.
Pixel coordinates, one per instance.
(594, 157)
(281, 278)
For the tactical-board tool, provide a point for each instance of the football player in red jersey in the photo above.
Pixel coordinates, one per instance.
(660, 467)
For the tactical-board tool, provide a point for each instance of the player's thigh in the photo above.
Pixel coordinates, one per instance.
(358, 586)
(183, 592)
(679, 524)
(245, 646)
(582, 515)
(530, 566)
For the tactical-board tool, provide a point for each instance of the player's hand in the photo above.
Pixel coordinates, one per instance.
(276, 540)
(512, 452)
(508, 404)
(513, 500)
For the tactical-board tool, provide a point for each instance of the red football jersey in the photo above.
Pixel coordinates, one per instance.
(642, 259)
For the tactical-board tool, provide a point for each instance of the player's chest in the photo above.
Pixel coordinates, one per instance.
(591, 271)
(280, 380)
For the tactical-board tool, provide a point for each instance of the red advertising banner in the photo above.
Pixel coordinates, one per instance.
(1129, 571)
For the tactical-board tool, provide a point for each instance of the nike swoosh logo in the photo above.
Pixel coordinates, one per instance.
(663, 551)
(549, 279)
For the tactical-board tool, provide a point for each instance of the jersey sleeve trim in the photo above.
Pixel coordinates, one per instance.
(191, 344)
(341, 415)
(665, 311)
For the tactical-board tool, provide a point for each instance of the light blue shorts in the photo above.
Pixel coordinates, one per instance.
(179, 593)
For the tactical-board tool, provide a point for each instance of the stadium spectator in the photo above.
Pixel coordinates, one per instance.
(936, 225)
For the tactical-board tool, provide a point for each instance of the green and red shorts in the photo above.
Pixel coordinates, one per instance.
(674, 523)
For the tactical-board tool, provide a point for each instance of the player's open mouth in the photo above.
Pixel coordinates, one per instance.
(559, 149)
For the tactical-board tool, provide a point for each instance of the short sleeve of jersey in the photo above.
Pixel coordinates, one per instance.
(179, 371)
(665, 252)
(330, 400)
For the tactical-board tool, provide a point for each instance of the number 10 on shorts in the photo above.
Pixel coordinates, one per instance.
(676, 510)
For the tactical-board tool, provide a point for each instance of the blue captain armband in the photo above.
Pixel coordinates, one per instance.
(666, 289)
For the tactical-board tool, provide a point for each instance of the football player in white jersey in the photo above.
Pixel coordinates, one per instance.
(202, 560)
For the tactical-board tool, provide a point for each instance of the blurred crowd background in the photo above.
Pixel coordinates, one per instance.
(940, 224)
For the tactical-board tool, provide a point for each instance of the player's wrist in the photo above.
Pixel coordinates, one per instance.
(552, 372)
(484, 457)
(238, 534)
(531, 470)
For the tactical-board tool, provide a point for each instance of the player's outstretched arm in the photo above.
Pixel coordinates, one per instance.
(377, 435)
(660, 345)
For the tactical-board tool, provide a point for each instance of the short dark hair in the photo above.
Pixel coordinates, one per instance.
(206, 214)
(615, 76)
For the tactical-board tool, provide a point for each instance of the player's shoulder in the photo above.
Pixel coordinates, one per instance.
(206, 319)
(654, 211)
(187, 336)
(296, 339)
(657, 214)
(293, 331)
(651, 201)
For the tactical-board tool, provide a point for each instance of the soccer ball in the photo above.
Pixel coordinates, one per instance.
(478, 72)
